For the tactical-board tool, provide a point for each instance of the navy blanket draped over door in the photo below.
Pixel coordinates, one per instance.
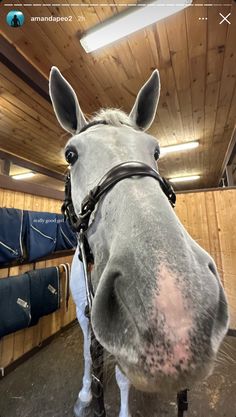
(41, 234)
(66, 239)
(32, 235)
(44, 292)
(12, 228)
(25, 298)
(14, 304)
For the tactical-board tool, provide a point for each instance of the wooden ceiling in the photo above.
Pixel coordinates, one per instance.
(197, 64)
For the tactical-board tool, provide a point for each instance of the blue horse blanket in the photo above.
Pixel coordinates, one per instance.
(32, 235)
(12, 228)
(44, 292)
(25, 298)
(14, 304)
(41, 235)
(66, 238)
(47, 233)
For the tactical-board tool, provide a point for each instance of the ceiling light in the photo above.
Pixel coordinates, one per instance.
(179, 147)
(24, 176)
(130, 21)
(183, 179)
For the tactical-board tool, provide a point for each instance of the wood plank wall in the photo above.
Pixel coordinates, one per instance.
(209, 218)
(15, 345)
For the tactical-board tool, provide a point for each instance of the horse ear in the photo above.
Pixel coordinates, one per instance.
(65, 102)
(145, 105)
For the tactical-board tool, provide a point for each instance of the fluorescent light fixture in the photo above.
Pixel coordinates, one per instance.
(24, 176)
(183, 179)
(135, 18)
(180, 147)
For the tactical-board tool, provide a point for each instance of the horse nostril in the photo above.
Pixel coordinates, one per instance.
(112, 295)
(212, 268)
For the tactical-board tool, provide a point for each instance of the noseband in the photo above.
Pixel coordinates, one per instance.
(112, 177)
(80, 225)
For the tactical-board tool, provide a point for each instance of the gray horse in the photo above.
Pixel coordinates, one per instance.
(159, 305)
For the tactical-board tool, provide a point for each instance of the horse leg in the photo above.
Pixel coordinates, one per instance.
(82, 406)
(124, 385)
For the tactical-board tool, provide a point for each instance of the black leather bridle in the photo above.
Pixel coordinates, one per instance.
(80, 225)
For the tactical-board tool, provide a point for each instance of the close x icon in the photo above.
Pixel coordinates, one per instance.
(225, 18)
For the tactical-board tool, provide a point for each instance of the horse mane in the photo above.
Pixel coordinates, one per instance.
(114, 117)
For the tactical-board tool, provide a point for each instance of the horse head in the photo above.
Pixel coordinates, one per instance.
(159, 305)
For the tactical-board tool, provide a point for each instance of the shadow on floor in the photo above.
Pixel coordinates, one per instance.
(47, 385)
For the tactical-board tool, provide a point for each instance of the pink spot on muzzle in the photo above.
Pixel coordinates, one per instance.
(172, 316)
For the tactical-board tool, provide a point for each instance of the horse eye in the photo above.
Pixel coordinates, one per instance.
(71, 156)
(157, 154)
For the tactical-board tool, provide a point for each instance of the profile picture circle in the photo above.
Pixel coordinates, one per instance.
(15, 18)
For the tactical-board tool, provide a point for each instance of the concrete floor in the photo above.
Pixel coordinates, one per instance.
(47, 385)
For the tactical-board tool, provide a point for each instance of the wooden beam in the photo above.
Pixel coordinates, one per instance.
(13, 60)
(5, 166)
(24, 163)
(26, 187)
(229, 175)
(205, 190)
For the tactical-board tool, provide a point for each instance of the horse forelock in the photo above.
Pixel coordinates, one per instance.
(114, 117)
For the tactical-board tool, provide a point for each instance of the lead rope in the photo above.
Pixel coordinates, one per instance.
(96, 351)
(182, 401)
